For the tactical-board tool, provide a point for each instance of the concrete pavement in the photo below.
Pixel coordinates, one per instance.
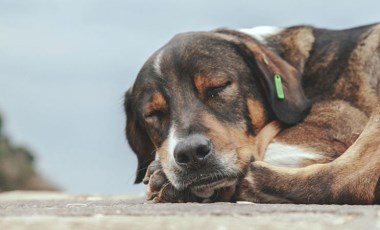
(41, 210)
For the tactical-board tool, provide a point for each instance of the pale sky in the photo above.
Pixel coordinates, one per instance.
(65, 65)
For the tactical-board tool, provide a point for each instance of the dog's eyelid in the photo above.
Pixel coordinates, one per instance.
(213, 91)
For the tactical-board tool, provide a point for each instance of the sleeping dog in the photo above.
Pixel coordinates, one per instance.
(264, 115)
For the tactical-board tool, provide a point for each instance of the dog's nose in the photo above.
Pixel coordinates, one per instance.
(192, 150)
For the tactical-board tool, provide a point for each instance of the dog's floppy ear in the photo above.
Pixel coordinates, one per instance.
(265, 64)
(138, 138)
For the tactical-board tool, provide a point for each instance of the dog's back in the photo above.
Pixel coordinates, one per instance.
(340, 75)
(336, 64)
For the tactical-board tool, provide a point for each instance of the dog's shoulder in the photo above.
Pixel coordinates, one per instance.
(292, 43)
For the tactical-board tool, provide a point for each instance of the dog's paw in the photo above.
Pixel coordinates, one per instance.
(250, 186)
(160, 190)
(259, 185)
(157, 183)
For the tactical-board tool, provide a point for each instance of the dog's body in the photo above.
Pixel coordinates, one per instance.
(205, 101)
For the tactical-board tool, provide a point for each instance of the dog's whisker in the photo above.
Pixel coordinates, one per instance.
(142, 169)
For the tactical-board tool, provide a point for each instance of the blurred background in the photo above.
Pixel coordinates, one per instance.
(65, 65)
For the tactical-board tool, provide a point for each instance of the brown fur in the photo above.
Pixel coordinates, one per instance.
(332, 128)
(350, 179)
(220, 85)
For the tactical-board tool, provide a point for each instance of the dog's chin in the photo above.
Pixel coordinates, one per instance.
(202, 186)
(207, 190)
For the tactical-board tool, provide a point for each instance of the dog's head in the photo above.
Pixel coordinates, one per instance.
(199, 102)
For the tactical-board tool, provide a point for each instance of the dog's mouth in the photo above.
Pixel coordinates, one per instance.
(208, 181)
(204, 181)
(206, 187)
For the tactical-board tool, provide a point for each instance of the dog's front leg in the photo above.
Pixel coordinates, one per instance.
(350, 179)
(265, 183)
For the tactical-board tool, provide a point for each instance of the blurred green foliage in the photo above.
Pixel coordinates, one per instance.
(17, 170)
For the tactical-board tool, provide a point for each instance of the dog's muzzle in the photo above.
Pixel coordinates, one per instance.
(198, 167)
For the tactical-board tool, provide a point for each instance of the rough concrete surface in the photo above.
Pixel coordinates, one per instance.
(41, 210)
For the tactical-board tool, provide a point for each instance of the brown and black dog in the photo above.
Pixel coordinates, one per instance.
(207, 120)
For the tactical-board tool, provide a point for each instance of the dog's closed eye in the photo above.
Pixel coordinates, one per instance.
(155, 117)
(214, 91)
(154, 114)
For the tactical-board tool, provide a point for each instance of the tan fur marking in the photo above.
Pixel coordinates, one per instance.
(219, 133)
(200, 82)
(230, 140)
(256, 113)
(157, 102)
(162, 152)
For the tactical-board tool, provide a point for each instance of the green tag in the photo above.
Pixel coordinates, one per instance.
(278, 84)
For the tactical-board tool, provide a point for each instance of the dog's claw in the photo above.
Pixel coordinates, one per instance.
(145, 180)
(153, 167)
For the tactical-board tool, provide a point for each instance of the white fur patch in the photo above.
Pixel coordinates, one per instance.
(172, 143)
(261, 32)
(288, 155)
(157, 63)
